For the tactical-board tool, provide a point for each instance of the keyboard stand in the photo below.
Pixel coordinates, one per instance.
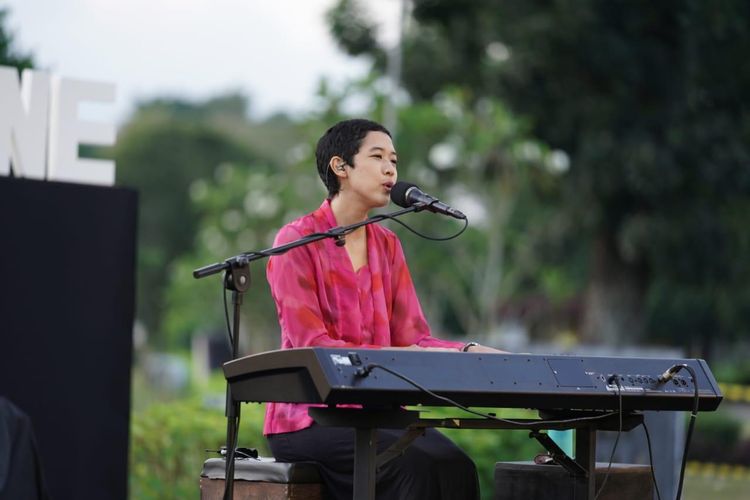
(366, 421)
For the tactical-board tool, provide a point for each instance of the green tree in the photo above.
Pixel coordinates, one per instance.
(242, 205)
(649, 101)
(483, 158)
(161, 151)
(9, 54)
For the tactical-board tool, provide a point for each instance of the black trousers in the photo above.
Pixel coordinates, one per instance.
(432, 467)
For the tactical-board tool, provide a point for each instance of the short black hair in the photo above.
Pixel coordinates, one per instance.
(343, 139)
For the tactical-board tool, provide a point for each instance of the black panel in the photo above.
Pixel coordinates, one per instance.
(570, 372)
(67, 257)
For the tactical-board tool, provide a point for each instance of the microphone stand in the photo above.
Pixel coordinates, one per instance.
(237, 279)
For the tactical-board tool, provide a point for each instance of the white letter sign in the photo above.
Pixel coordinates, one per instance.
(38, 104)
(23, 122)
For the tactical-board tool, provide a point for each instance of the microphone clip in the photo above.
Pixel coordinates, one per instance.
(419, 206)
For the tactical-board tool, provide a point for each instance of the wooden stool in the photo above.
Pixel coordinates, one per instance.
(531, 481)
(262, 479)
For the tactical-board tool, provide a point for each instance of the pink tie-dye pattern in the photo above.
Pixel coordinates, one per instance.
(322, 301)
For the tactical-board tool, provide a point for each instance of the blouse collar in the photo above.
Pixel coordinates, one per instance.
(327, 212)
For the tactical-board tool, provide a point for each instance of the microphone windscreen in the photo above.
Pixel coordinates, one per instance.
(398, 193)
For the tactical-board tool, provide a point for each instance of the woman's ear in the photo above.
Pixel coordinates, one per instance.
(338, 165)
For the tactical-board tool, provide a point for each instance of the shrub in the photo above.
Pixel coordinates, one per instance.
(168, 443)
(715, 437)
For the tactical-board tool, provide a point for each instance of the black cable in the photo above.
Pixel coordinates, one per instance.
(370, 366)
(651, 460)
(230, 459)
(693, 416)
(432, 238)
(617, 439)
(226, 317)
(666, 377)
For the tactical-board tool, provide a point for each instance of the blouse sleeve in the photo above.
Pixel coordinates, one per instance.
(408, 324)
(294, 288)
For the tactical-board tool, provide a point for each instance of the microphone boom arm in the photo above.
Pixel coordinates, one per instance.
(335, 232)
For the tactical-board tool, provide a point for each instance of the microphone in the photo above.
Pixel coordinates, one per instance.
(406, 194)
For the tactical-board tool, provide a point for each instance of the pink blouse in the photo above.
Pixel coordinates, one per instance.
(322, 301)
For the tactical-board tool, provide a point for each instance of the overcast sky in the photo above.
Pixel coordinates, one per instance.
(274, 51)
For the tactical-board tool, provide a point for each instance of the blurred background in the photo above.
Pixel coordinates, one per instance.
(599, 148)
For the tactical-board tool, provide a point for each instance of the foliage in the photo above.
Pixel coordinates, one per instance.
(353, 30)
(649, 101)
(161, 151)
(717, 439)
(243, 207)
(484, 159)
(9, 54)
(732, 371)
(168, 443)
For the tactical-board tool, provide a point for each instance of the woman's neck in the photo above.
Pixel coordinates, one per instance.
(346, 211)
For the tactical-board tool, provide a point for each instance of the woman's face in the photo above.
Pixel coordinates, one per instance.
(374, 172)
